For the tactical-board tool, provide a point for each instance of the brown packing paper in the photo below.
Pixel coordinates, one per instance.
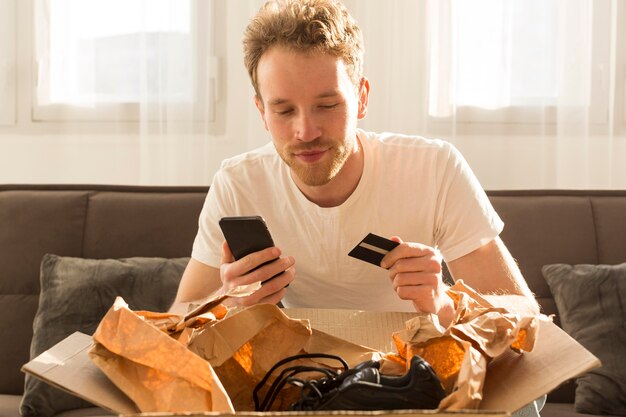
(139, 359)
(219, 342)
(512, 381)
(459, 355)
(244, 346)
(153, 357)
(494, 330)
(225, 354)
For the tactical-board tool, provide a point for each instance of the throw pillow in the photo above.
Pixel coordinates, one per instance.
(75, 294)
(591, 301)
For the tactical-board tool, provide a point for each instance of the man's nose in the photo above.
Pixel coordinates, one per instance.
(306, 127)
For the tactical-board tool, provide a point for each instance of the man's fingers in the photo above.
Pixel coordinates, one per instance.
(396, 239)
(406, 250)
(388, 260)
(271, 291)
(266, 272)
(249, 262)
(254, 268)
(258, 298)
(227, 255)
(415, 274)
(425, 290)
(279, 281)
(242, 272)
(424, 297)
(428, 263)
(414, 279)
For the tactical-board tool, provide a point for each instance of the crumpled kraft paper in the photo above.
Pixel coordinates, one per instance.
(207, 363)
(211, 359)
(459, 355)
(153, 369)
(243, 347)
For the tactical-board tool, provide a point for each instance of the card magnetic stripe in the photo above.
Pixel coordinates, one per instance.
(367, 255)
(372, 249)
(380, 242)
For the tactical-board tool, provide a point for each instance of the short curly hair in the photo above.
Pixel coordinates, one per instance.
(308, 26)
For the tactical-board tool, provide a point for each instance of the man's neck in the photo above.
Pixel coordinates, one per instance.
(341, 187)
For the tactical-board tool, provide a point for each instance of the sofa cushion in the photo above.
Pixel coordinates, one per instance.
(32, 223)
(590, 302)
(75, 294)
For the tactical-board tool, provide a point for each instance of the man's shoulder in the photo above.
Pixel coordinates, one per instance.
(387, 141)
(256, 158)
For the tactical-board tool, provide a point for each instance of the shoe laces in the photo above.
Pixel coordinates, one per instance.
(312, 390)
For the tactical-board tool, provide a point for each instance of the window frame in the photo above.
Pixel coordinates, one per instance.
(206, 73)
(530, 120)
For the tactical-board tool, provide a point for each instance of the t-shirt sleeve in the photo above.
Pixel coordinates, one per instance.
(465, 218)
(207, 246)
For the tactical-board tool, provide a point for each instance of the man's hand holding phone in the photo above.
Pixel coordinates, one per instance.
(249, 257)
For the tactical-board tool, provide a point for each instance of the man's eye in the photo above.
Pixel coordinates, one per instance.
(284, 112)
(329, 106)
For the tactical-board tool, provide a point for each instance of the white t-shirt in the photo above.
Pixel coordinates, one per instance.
(418, 189)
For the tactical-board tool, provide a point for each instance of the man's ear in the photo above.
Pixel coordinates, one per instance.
(258, 102)
(364, 92)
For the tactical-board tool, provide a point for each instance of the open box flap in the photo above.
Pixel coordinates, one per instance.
(367, 328)
(67, 366)
(515, 380)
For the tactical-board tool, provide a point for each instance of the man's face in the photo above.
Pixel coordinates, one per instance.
(310, 107)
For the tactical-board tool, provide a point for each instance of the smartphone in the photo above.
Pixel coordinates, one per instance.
(246, 234)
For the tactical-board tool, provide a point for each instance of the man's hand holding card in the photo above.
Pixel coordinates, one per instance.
(414, 271)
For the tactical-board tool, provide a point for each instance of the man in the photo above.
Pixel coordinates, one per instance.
(323, 184)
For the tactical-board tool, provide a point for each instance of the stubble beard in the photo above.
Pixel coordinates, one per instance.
(320, 173)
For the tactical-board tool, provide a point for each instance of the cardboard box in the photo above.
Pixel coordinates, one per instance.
(512, 380)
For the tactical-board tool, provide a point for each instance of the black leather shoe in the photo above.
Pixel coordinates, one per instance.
(364, 388)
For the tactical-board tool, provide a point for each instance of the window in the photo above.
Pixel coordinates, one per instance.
(122, 59)
(511, 61)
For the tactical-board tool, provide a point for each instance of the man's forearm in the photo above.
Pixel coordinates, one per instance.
(518, 304)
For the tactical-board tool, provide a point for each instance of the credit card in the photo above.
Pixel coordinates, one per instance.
(373, 249)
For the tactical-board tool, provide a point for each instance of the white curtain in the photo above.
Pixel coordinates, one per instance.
(529, 90)
(148, 91)
(186, 144)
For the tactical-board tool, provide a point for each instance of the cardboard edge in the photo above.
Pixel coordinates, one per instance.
(556, 355)
(553, 351)
(71, 351)
(378, 413)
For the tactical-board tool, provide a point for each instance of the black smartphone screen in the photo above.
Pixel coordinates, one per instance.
(245, 234)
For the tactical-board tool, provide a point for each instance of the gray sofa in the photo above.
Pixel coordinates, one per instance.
(101, 222)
